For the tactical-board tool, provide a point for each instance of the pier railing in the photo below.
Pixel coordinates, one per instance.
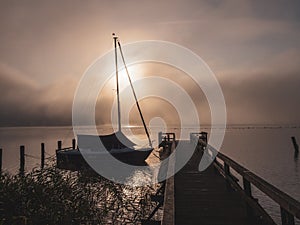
(289, 207)
(166, 137)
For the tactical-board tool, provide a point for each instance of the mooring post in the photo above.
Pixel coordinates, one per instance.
(59, 144)
(159, 138)
(0, 161)
(22, 159)
(296, 147)
(73, 143)
(42, 155)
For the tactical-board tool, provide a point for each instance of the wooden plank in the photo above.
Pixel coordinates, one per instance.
(203, 197)
(169, 195)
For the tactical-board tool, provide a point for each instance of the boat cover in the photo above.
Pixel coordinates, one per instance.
(111, 141)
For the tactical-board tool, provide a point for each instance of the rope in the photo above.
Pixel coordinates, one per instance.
(36, 157)
(48, 154)
(50, 157)
(155, 155)
(134, 94)
(32, 156)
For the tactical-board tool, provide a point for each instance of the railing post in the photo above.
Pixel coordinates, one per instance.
(59, 144)
(247, 187)
(226, 169)
(227, 174)
(22, 159)
(248, 192)
(42, 155)
(286, 217)
(73, 143)
(204, 136)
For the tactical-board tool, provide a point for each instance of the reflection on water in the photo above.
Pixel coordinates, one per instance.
(267, 151)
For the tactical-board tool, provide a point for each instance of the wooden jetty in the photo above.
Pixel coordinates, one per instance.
(219, 195)
(215, 196)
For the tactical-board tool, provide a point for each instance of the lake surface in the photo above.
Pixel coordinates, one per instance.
(265, 150)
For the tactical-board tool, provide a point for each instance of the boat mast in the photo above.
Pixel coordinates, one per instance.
(117, 81)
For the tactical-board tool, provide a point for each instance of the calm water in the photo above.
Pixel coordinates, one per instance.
(266, 151)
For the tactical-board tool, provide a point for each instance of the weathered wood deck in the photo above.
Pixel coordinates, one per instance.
(205, 197)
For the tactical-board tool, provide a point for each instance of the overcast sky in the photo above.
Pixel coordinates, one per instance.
(253, 48)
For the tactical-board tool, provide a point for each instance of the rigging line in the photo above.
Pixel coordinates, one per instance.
(134, 94)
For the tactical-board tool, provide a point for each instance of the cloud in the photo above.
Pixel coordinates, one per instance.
(265, 99)
(24, 102)
(252, 46)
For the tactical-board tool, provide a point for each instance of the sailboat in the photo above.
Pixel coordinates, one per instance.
(116, 144)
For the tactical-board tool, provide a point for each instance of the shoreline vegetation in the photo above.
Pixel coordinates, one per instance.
(54, 196)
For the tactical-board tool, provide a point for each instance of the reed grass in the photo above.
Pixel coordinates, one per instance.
(53, 196)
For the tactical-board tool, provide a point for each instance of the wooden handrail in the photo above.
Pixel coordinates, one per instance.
(289, 207)
(284, 200)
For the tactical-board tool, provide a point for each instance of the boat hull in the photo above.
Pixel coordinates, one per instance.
(72, 159)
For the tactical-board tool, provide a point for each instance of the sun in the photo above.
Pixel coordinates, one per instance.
(135, 73)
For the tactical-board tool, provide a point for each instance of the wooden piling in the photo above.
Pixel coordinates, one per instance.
(0, 161)
(296, 147)
(22, 159)
(59, 144)
(42, 155)
(74, 143)
(159, 138)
